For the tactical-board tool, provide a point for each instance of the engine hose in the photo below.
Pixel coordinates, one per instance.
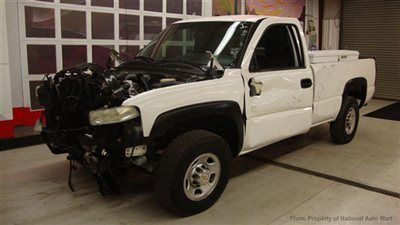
(144, 82)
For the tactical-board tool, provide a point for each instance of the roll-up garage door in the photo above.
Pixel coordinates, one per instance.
(373, 28)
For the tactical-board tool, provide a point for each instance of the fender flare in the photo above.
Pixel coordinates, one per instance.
(357, 82)
(168, 120)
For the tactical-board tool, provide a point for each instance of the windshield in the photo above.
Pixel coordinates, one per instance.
(188, 42)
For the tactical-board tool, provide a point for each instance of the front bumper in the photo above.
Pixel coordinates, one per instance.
(112, 139)
(101, 149)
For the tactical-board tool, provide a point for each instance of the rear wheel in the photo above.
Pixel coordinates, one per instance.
(344, 128)
(193, 172)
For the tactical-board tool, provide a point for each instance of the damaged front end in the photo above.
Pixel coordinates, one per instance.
(84, 116)
(69, 98)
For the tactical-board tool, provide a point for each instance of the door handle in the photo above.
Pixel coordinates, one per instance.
(255, 87)
(306, 83)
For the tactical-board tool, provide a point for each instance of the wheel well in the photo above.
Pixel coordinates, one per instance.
(222, 125)
(356, 88)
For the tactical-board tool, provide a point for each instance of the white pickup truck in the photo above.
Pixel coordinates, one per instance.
(201, 93)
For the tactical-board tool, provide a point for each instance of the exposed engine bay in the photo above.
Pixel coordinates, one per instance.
(72, 94)
(88, 86)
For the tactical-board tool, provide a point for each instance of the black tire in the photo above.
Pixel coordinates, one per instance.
(338, 131)
(181, 152)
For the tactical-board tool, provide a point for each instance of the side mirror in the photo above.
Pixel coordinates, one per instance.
(255, 87)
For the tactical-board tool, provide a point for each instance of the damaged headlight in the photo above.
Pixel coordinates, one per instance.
(112, 115)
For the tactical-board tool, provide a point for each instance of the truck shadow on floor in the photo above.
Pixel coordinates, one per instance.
(244, 164)
(134, 183)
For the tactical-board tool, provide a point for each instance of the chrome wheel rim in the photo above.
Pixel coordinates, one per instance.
(202, 176)
(350, 122)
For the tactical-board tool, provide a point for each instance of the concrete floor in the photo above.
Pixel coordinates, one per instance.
(34, 188)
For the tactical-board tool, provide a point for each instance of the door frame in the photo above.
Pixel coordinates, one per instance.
(247, 75)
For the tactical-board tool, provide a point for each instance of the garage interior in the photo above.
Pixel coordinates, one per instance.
(305, 179)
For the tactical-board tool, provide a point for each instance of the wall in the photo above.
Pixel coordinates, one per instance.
(14, 53)
(5, 81)
(332, 9)
(331, 24)
(312, 24)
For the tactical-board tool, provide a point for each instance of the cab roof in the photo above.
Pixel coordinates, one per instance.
(236, 18)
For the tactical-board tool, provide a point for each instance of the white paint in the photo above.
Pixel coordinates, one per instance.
(283, 109)
(228, 35)
(326, 110)
(324, 56)
(5, 80)
(267, 129)
(331, 24)
(235, 18)
(139, 150)
(135, 151)
(128, 152)
(330, 80)
(207, 7)
(330, 34)
(157, 101)
(370, 93)
(13, 44)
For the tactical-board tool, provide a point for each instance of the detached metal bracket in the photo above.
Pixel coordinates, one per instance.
(71, 167)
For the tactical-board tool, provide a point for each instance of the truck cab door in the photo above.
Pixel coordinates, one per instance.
(278, 84)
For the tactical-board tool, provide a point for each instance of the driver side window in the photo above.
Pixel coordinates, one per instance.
(278, 49)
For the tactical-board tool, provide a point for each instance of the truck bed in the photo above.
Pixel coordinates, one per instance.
(326, 56)
(332, 70)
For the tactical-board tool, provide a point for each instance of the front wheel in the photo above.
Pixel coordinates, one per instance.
(193, 172)
(345, 126)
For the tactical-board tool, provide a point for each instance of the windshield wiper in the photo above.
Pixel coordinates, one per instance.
(147, 59)
(183, 63)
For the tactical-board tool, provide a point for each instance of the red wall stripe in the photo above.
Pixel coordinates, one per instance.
(22, 116)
